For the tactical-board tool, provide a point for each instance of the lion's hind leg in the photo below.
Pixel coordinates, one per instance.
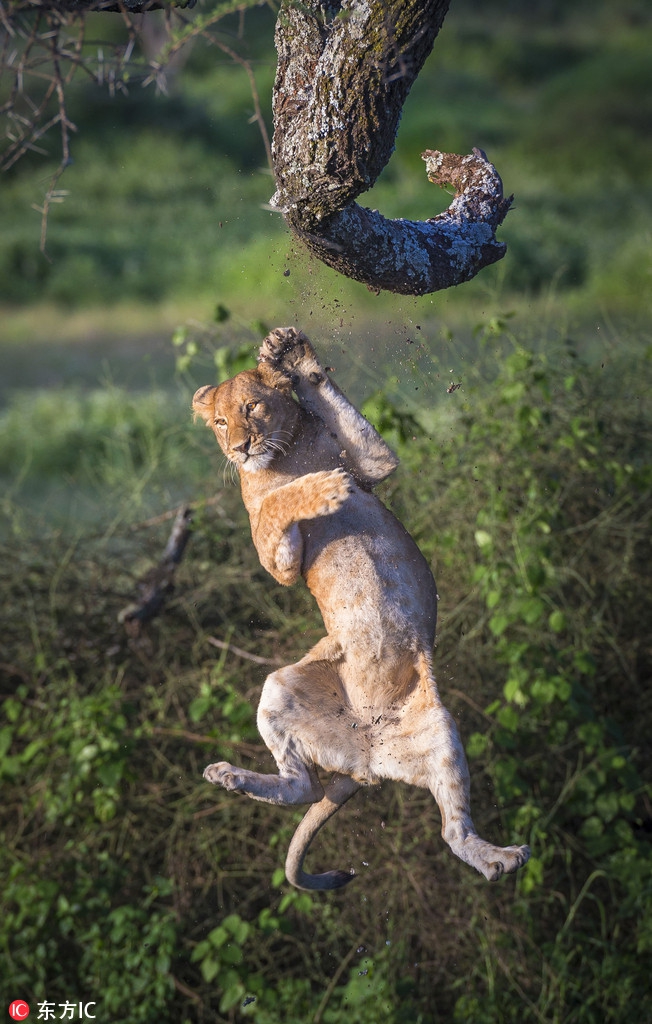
(301, 719)
(449, 784)
(296, 782)
(426, 750)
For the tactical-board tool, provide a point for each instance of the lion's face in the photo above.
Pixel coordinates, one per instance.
(254, 421)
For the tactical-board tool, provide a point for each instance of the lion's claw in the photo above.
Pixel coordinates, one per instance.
(290, 351)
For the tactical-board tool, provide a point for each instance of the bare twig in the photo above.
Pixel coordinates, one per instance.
(223, 645)
(158, 583)
(251, 749)
(258, 113)
(172, 513)
(341, 967)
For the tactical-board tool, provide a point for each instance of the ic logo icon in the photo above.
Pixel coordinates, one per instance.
(19, 1010)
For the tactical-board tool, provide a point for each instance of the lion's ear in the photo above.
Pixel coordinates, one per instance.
(203, 403)
(274, 378)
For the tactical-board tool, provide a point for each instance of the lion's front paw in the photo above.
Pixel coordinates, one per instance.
(290, 351)
(223, 774)
(330, 490)
(283, 344)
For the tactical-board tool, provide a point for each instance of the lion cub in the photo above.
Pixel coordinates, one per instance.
(363, 703)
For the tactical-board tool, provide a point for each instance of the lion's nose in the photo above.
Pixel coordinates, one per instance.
(243, 447)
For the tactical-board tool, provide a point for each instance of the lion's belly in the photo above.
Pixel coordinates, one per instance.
(372, 584)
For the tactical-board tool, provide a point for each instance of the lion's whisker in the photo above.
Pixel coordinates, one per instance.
(277, 446)
(227, 468)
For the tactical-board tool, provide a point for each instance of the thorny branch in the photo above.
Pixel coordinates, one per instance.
(44, 44)
(42, 50)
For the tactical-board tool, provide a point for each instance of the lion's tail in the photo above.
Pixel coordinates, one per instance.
(336, 793)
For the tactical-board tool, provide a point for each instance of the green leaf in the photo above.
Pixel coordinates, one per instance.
(476, 744)
(218, 936)
(592, 828)
(232, 995)
(531, 610)
(199, 706)
(531, 876)
(200, 950)
(508, 718)
(498, 623)
(513, 692)
(231, 954)
(278, 878)
(6, 736)
(210, 969)
(238, 928)
(607, 805)
(557, 621)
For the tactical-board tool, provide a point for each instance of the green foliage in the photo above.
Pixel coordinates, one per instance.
(556, 479)
(396, 425)
(126, 879)
(202, 345)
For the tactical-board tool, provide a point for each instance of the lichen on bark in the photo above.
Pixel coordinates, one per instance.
(344, 72)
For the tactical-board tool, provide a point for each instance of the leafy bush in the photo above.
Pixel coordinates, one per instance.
(61, 449)
(130, 882)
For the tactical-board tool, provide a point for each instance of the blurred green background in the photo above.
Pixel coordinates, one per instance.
(127, 880)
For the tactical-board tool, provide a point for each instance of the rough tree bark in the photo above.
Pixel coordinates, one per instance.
(344, 72)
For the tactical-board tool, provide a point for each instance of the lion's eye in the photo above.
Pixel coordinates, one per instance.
(220, 421)
(250, 406)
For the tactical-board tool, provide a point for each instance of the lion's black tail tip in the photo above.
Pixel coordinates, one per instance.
(325, 882)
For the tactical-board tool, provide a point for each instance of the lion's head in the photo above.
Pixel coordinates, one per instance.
(253, 416)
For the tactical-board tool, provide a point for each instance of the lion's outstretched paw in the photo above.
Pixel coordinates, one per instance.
(491, 861)
(330, 489)
(223, 774)
(290, 351)
(279, 343)
(495, 861)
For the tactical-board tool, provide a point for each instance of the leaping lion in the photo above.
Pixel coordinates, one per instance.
(363, 704)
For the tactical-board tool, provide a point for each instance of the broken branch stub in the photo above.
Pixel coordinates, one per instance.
(344, 72)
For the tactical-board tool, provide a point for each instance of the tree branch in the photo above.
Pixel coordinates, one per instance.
(344, 73)
(113, 6)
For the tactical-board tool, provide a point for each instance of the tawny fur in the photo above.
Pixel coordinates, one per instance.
(363, 703)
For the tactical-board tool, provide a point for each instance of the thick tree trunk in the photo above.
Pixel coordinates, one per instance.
(344, 72)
